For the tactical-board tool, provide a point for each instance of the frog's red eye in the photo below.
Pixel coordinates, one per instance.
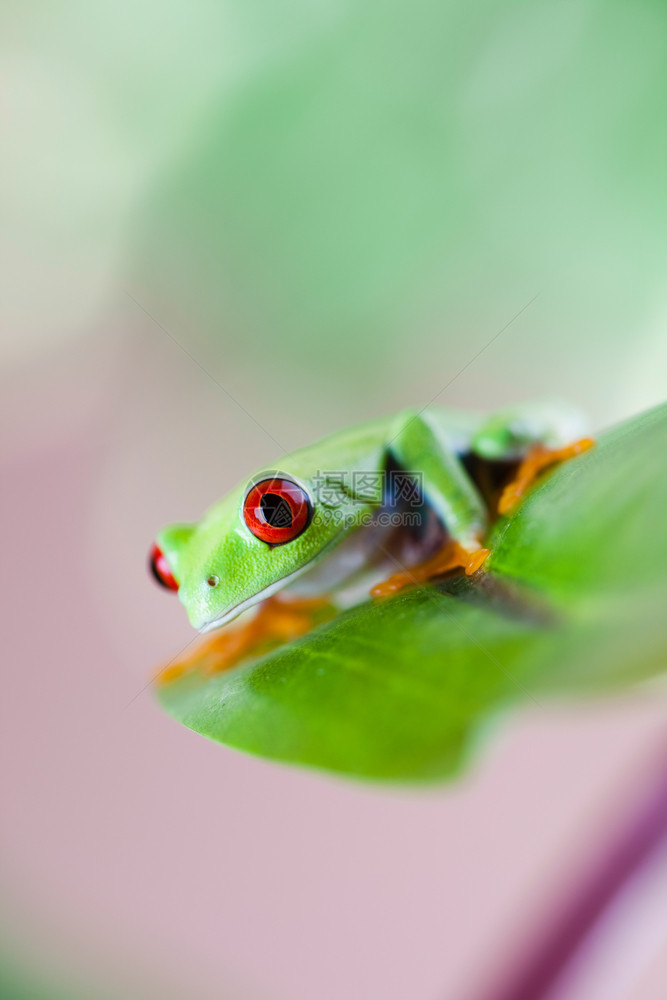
(159, 567)
(277, 510)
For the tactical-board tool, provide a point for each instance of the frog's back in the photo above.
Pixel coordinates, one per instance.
(364, 446)
(359, 447)
(455, 428)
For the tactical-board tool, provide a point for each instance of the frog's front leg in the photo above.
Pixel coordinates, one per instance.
(451, 556)
(275, 622)
(537, 435)
(422, 447)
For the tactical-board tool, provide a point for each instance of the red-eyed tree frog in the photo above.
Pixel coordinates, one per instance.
(376, 508)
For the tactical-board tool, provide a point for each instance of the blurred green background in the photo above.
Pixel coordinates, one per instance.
(352, 199)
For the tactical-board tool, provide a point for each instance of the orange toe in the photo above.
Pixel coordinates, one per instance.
(275, 622)
(452, 556)
(538, 458)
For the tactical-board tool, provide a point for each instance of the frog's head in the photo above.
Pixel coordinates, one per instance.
(248, 546)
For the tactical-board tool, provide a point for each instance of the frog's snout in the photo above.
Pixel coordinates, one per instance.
(160, 568)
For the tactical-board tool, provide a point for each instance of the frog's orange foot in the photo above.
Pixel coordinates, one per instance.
(452, 556)
(275, 623)
(538, 458)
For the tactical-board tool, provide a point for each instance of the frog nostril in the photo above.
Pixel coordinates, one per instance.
(213, 580)
(160, 569)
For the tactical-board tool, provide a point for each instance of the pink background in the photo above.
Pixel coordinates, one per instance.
(141, 857)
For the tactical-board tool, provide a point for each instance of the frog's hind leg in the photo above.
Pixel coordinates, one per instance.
(536, 436)
(538, 458)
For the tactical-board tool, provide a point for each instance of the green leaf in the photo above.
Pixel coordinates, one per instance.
(574, 602)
